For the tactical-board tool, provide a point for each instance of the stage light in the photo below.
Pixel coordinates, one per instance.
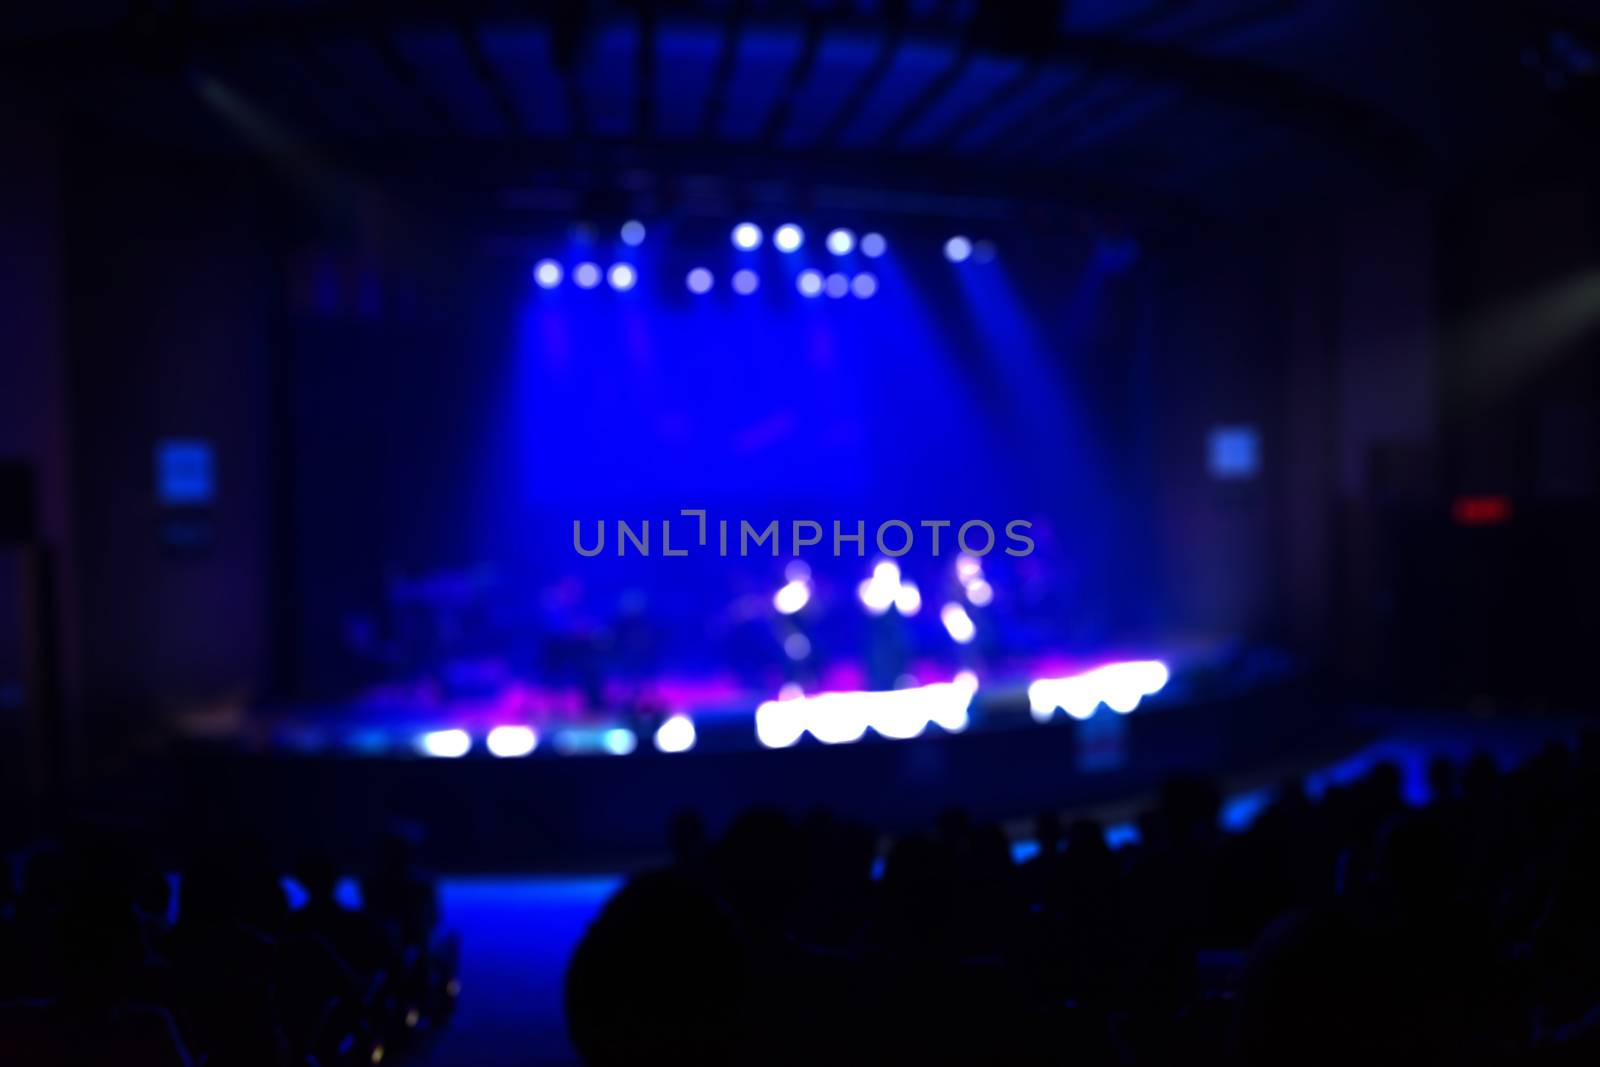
(676, 734)
(967, 680)
(809, 282)
(586, 275)
(619, 741)
(797, 646)
(898, 715)
(1120, 686)
(980, 592)
(778, 722)
(873, 245)
(746, 282)
(510, 741)
(445, 744)
(797, 570)
(864, 284)
(1076, 696)
(547, 272)
(1153, 675)
(908, 599)
(837, 718)
(699, 281)
(792, 597)
(633, 233)
(957, 249)
(747, 237)
(788, 238)
(841, 242)
(622, 276)
(838, 285)
(957, 623)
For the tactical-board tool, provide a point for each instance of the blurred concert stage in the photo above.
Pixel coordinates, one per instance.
(526, 780)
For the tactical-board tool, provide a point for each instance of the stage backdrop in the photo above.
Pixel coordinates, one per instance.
(451, 419)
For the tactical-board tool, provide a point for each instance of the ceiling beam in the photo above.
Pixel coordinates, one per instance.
(491, 80)
(929, 95)
(1271, 93)
(851, 105)
(412, 81)
(732, 34)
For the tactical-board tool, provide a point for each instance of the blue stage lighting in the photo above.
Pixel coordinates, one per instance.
(841, 242)
(838, 285)
(864, 284)
(547, 272)
(699, 281)
(873, 245)
(957, 249)
(633, 233)
(586, 275)
(746, 282)
(619, 741)
(788, 238)
(747, 236)
(622, 276)
(809, 282)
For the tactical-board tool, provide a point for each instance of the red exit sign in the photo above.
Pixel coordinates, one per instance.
(1481, 510)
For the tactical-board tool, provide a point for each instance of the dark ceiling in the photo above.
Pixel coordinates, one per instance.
(1209, 102)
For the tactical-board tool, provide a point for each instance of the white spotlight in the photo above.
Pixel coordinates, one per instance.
(841, 242)
(586, 275)
(797, 646)
(622, 277)
(547, 272)
(508, 742)
(838, 285)
(958, 623)
(873, 245)
(779, 723)
(791, 597)
(633, 233)
(747, 237)
(676, 734)
(957, 249)
(746, 282)
(788, 237)
(445, 744)
(980, 592)
(864, 284)
(809, 282)
(908, 599)
(699, 281)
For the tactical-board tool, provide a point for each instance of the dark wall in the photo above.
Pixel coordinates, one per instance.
(1319, 330)
(34, 430)
(1520, 401)
(171, 298)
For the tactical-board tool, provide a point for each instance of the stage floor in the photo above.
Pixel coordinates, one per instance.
(506, 717)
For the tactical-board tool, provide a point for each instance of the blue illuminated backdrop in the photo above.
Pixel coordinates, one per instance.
(468, 427)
